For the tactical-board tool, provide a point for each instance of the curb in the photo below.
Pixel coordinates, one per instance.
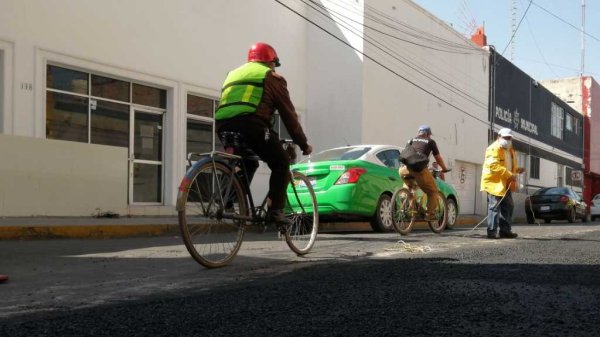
(35, 228)
(84, 231)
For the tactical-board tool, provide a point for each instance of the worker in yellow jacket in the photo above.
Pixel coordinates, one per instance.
(499, 179)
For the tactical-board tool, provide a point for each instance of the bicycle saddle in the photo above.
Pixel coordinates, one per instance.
(234, 143)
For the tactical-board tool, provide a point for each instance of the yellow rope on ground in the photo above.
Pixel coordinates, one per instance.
(407, 247)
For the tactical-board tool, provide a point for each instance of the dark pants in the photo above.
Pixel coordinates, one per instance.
(500, 213)
(270, 151)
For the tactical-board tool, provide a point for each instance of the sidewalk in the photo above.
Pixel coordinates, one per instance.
(105, 228)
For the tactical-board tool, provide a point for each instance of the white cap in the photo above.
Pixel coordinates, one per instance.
(505, 132)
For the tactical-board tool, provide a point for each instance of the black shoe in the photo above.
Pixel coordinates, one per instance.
(491, 235)
(507, 235)
(277, 218)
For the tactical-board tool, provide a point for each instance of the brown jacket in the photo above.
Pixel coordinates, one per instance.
(277, 97)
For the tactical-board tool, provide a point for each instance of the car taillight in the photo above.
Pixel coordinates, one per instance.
(563, 199)
(351, 176)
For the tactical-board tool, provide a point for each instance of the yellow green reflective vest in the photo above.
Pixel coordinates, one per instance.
(242, 90)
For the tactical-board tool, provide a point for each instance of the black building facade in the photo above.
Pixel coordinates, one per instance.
(544, 123)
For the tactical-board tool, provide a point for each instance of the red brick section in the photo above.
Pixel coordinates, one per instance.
(479, 38)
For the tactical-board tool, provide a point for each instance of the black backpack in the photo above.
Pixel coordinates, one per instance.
(413, 159)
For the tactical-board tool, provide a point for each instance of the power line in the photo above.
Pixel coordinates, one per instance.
(380, 64)
(565, 21)
(419, 34)
(408, 63)
(382, 32)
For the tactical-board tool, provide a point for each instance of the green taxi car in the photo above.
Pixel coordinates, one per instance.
(356, 183)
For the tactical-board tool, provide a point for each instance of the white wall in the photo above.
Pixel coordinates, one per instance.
(181, 46)
(445, 87)
(57, 178)
(194, 42)
(425, 81)
(189, 45)
(335, 75)
(548, 174)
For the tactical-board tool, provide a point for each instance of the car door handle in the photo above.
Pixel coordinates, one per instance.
(392, 178)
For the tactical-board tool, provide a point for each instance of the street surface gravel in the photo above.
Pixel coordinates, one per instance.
(545, 283)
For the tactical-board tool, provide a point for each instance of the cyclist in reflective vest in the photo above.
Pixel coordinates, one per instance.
(249, 98)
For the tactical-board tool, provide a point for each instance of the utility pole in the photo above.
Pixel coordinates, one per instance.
(514, 29)
(582, 38)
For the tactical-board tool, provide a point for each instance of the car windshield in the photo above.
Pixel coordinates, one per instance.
(345, 153)
(552, 190)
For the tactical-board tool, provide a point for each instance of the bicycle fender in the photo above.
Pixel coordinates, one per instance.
(186, 182)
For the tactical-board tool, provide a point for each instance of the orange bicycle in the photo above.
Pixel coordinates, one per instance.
(409, 204)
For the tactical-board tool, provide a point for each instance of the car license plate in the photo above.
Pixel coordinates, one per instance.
(544, 208)
(301, 183)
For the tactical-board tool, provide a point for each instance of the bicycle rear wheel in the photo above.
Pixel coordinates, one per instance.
(210, 231)
(404, 211)
(301, 208)
(441, 214)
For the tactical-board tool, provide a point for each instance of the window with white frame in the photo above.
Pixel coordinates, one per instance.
(89, 108)
(558, 115)
(280, 128)
(200, 124)
(85, 107)
(569, 122)
(534, 167)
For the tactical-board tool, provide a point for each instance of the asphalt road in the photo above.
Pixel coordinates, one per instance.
(545, 283)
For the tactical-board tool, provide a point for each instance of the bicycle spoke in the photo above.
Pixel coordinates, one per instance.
(301, 209)
(403, 211)
(212, 239)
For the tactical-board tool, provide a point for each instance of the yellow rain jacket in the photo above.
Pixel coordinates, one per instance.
(495, 173)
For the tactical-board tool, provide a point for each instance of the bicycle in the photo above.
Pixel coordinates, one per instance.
(215, 205)
(409, 204)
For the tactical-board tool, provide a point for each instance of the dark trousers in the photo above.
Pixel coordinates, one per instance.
(268, 150)
(500, 213)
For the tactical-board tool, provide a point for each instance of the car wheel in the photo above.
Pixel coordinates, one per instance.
(452, 213)
(382, 219)
(572, 215)
(547, 220)
(530, 218)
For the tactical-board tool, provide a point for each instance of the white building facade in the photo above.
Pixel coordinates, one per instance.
(101, 100)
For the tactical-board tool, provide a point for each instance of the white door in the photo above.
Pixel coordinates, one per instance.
(464, 180)
(146, 157)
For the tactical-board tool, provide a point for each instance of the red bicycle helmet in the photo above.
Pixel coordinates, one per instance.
(262, 52)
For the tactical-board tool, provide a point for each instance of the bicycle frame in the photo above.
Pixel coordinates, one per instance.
(233, 162)
(230, 160)
(219, 209)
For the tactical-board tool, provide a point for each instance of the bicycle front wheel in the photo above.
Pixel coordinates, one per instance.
(441, 214)
(210, 225)
(301, 208)
(404, 211)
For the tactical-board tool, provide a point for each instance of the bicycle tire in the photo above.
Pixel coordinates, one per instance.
(212, 240)
(301, 208)
(441, 213)
(404, 211)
